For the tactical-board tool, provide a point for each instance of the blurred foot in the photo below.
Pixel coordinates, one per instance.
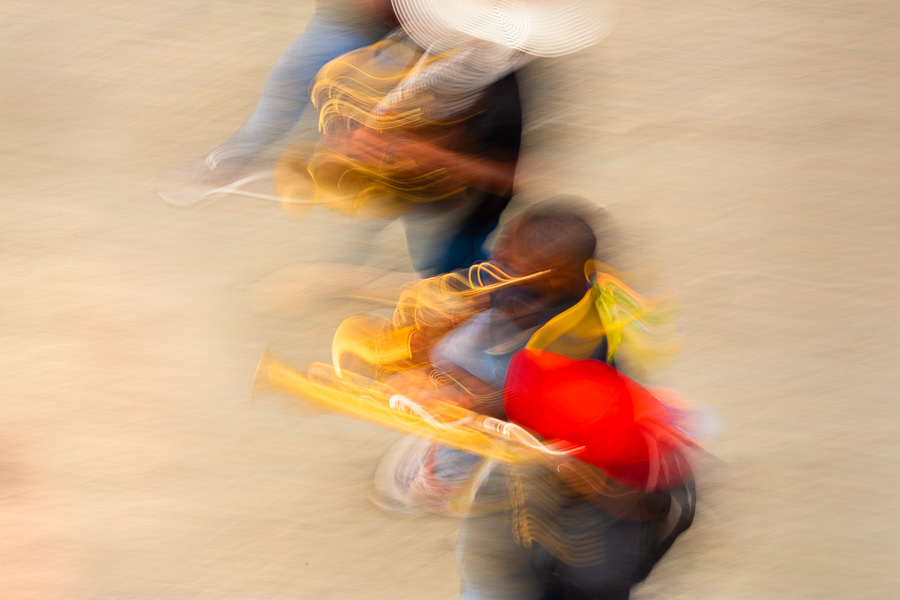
(405, 483)
(211, 175)
(417, 476)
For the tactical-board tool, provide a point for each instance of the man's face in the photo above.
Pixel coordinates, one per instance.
(515, 259)
(518, 259)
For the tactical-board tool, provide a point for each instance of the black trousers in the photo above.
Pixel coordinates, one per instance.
(576, 551)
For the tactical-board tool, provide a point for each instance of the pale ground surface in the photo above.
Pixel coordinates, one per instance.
(748, 148)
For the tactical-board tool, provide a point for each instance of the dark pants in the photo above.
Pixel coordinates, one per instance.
(466, 247)
(588, 555)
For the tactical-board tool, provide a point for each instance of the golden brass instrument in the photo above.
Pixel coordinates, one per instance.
(385, 345)
(347, 93)
(376, 402)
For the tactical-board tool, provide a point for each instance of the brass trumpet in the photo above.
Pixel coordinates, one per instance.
(376, 402)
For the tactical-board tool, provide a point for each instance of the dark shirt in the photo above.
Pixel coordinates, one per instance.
(495, 132)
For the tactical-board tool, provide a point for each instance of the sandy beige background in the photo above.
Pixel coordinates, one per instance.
(749, 150)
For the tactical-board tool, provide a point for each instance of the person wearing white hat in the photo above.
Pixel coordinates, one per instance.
(536, 27)
(467, 52)
(484, 40)
(443, 163)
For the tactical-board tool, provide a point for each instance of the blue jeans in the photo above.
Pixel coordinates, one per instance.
(285, 94)
(432, 230)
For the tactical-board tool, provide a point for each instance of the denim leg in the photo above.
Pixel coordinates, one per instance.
(464, 250)
(453, 467)
(430, 228)
(285, 94)
(492, 565)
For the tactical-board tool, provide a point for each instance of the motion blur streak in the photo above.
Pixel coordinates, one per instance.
(729, 139)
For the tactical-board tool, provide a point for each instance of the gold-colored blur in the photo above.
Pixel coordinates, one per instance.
(385, 349)
(441, 422)
(640, 328)
(748, 148)
(347, 93)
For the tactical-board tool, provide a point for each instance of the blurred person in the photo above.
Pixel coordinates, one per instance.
(466, 363)
(612, 488)
(589, 526)
(462, 71)
(446, 173)
(336, 27)
(427, 122)
(554, 239)
(592, 526)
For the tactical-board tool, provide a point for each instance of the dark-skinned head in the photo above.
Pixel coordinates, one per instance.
(553, 239)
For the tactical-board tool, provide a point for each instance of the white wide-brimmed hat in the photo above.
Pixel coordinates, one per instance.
(537, 27)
